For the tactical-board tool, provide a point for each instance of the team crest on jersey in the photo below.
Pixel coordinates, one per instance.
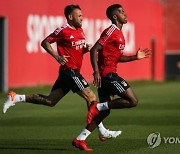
(85, 83)
(124, 83)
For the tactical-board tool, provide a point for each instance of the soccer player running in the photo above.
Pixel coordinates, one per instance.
(105, 55)
(71, 46)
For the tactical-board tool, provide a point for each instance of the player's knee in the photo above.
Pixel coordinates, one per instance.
(91, 97)
(134, 102)
(51, 103)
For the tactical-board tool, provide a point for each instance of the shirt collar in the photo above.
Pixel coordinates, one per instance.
(115, 26)
(69, 26)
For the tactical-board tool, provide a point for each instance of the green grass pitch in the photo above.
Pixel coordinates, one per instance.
(36, 129)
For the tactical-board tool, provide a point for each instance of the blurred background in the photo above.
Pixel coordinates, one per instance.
(24, 24)
(26, 68)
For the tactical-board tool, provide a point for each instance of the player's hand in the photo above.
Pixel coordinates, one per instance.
(97, 80)
(88, 47)
(62, 59)
(145, 53)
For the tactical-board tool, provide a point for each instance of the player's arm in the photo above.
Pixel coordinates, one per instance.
(93, 54)
(87, 48)
(47, 46)
(140, 54)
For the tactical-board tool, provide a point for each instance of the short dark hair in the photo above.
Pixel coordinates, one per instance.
(110, 10)
(69, 9)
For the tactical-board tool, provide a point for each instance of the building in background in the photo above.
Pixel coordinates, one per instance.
(24, 24)
(172, 39)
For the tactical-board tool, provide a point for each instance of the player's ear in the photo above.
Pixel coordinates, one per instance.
(70, 17)
(114, 17)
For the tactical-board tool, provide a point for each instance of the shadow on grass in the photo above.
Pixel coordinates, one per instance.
(123, 120)
(36, 146)
(115, 146)
(63, 146)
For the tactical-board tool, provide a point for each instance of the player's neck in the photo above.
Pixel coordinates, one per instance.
(72, 26)
(119, 25)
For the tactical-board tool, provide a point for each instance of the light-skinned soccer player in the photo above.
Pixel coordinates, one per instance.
(71, 46)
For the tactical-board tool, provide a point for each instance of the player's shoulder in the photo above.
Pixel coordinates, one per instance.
(109, 30)
(60, 29)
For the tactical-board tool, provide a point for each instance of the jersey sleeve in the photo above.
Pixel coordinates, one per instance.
(103, 38)
(56, 36)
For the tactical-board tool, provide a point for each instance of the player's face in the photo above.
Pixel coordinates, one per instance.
(121, 16)
(77, 18)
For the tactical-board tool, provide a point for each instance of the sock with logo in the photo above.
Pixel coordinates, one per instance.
(19, 98)
(101, 128)
(84, 134)
(102, 106)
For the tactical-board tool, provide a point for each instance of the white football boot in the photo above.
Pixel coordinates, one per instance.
(109, 134)
(9, 101)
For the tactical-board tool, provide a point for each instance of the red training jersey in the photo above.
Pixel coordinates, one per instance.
(113, 43)
(70, 42)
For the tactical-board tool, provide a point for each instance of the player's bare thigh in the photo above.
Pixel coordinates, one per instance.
(130, 95)
(87, 94)
(51, 100)
(55, 96)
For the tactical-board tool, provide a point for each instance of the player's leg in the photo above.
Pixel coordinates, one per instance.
(87, 94)
(80, 141)
(58, 91)
(116, 85)
(105, 96)
(51, 100)
(108, 134)
(81, 87)
(119, 87)
(128, 99)
(103, 133)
